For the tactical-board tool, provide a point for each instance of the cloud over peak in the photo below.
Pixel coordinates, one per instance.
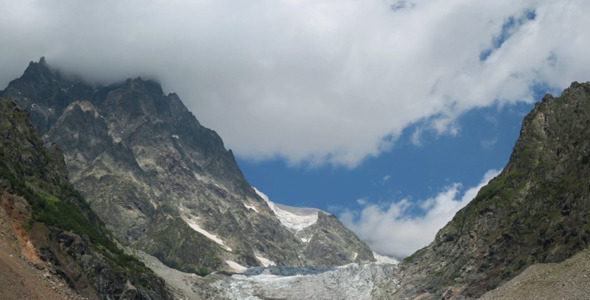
(313, 82)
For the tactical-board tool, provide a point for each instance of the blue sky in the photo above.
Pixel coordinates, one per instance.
(412, 171)
(388, 113)
(483, 142)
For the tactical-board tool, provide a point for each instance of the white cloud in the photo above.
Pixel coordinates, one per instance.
(312, 81)
(416, 137)
(391, 230)
(489, 144)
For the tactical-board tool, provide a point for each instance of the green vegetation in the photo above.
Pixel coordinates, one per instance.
(63, 213)
(410, 259)
(203, 271)
(30, 170)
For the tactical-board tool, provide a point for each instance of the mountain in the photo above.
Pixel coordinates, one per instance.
(536, 211)
(45, 222)
(524, 236)
(167, 188)
(165, 185)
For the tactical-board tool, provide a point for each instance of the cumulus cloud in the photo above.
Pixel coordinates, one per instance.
(391, 230)
(311, 81)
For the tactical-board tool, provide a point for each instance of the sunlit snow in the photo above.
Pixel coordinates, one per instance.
(382, 259)
(296, 218)
(306, 240)
(236, 266)
(252, 207)
(192, 222)
(265, 261)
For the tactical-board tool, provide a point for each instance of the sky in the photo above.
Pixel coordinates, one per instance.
(387, 113)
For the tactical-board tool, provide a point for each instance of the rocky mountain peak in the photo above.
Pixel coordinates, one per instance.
(39, 72)
(144, 86)
(45, 93)
(166, 185)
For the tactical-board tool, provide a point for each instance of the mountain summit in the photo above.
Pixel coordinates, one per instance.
(166, 185)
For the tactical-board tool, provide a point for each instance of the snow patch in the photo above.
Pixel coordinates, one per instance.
(307, 240)
(192, 222)
(355, 255)
(252, 207)
(235, 266)
(382, 259)
(181, 283)
(175, 136)
(265, 261)
(296, 218)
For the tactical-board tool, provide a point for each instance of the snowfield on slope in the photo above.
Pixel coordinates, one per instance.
(296, 218)
(191, 221)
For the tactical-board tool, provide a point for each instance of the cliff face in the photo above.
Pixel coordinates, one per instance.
(163, 183)
(536, 211)
(44, 221)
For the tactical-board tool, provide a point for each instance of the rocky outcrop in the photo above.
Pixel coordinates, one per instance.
(163, 183)
(536, 211)
(329, 244)
(53, 224)
(45, 94)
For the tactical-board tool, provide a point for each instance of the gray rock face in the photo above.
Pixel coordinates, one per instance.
(535, 211)
(330, 245)
(62, 233)
(163, 183)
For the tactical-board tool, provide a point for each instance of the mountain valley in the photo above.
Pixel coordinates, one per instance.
(155, 184)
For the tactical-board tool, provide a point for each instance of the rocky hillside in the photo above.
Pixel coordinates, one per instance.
(45, 222)
(536, 211)
(166, 185)
(569, 279)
